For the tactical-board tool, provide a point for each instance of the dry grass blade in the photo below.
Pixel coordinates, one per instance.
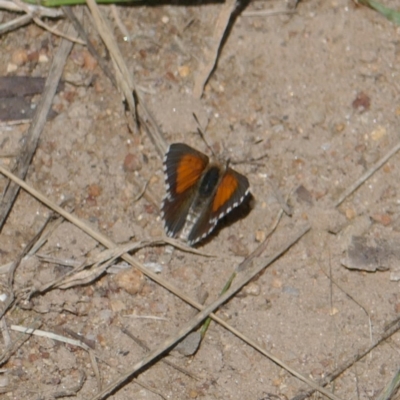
(211, 55)
(391, 388)
(82, 33)
(106, 242)
(351, 361)
(16, 345)
(123, 76)
(43, 25)
(15, 23)
(99, 237)
(146, 348)
(37, 125)
(50, 335)
(189, 326)
(352, 188)
(125, 79)
(73, 390)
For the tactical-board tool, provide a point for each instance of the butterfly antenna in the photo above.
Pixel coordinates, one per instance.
(202, 134)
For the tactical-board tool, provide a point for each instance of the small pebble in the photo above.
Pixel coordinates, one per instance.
(189, 345)
(378, 133)
(131, 280)
(260, 236)
(277, 283)
(89, 62)
(350, 213)
(383, 219)
(333, 311)
(94, 190)
(19, 57)
(184, 71)
(132, 163)
(43, 58)
(11, 67)
(362, 102)
(252, 289)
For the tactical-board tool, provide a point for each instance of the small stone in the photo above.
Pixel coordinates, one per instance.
(303, 195)
(19, 57)
(11, 67)
(339, 127)
(260, 236)
(43, 58)
(89, 62)
(383, 219)
(132, 163)
(277, 283)
(252, 289)
(378, 133)
(333, 311)
(184, 71)
(350, 213)
(94, 190)
(362, 102)
(131, 280)
(189, 345)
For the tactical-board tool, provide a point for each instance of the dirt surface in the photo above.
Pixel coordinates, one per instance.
(317, 92)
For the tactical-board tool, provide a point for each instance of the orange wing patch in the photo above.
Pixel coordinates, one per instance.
(188, 172)
(225, 191)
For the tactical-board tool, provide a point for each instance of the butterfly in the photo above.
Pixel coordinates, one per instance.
(198, 193)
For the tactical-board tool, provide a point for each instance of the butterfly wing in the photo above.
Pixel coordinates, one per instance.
(183, 168)
(231, 191)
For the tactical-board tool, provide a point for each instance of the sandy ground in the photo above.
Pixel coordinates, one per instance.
(317, 92)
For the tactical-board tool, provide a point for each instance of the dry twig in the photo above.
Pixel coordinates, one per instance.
(352, 188)
(106, 242)
(37, 125)
(211, 55)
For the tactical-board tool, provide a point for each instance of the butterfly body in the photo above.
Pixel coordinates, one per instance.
(199, 193)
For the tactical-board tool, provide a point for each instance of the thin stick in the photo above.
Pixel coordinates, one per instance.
(186, 328)
(34, 9)
(146, 348)
(50, 335)
(211, 55)
(82, 33)
(108, 243)
(16, 345)
(43, 25)
(350, 362)
(15, 24)
(37, 125)
(126, 82)
(352, 188)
